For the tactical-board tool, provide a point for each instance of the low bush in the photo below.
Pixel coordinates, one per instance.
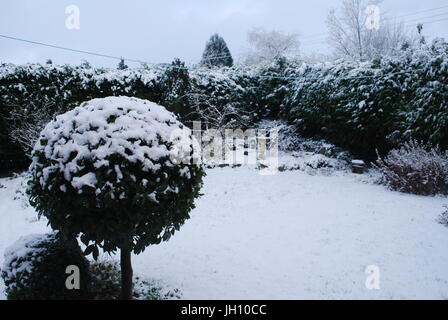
(415, 168)
(106, 284)
(35, 269)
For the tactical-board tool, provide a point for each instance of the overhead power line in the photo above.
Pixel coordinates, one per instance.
(167, 65)
(423, 11)
(408, 23)
(321, 37)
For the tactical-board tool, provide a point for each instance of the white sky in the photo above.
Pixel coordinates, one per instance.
(158, 31)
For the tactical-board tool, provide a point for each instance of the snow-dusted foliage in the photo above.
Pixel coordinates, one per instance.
(415, 168)
(20, 256)
(289, 139)
(106, 284)
(311, 163)
(32, 94)
(27, 120)
(127, 168)
(359, 106)
(405, 100)
(218, 99)
(175, 88)
(216, 53)
(100, 129)
(34, 268)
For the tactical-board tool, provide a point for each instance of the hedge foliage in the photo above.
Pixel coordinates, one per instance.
(338, 101)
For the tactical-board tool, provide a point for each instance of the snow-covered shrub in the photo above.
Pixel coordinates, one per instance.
(106, 280)
(20, 194)
(119, 171)
(311, 163)
(106, 284)
(324, 148)
(35, 269)
(290, 140)
(27, 119)
(415, 168)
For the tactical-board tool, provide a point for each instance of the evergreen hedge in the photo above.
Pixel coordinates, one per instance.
(339, 101)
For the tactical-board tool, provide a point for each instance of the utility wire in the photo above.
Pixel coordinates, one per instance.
(166, 65)
(323, 36)
(406, 24)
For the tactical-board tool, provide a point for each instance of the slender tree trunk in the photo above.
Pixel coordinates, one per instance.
(126, 275)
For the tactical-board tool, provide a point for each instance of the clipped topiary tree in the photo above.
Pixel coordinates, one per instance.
(123, 173)
(35, 269)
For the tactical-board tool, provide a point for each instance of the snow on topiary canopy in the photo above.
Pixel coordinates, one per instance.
(106, 170)
(119, 171)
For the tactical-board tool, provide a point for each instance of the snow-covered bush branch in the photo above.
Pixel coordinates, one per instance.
(415, 168)
(215, 117)
(25, 122)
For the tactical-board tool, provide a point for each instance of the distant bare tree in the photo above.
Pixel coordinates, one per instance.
(267, 46)
(350, 37)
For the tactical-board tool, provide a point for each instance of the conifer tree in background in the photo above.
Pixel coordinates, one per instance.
(216, 53)
(122, 65)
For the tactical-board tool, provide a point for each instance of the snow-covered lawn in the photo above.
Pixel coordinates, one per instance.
(287, 236)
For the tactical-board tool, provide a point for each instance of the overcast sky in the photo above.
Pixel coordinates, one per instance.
(158, 31)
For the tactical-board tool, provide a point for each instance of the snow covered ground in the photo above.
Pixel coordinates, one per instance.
(287, 236)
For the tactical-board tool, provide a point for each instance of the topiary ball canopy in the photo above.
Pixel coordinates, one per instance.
(120, 171)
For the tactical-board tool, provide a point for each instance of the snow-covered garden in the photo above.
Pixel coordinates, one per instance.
(292, 235)
(287, 179)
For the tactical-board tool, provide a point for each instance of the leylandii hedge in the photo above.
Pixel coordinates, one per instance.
(407, 99)
(31, 95)
(360, 106)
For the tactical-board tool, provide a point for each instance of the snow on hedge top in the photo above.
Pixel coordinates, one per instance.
(138, 130)
(21, 255)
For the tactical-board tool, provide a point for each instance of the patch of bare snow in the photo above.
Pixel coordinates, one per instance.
(287, 236)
